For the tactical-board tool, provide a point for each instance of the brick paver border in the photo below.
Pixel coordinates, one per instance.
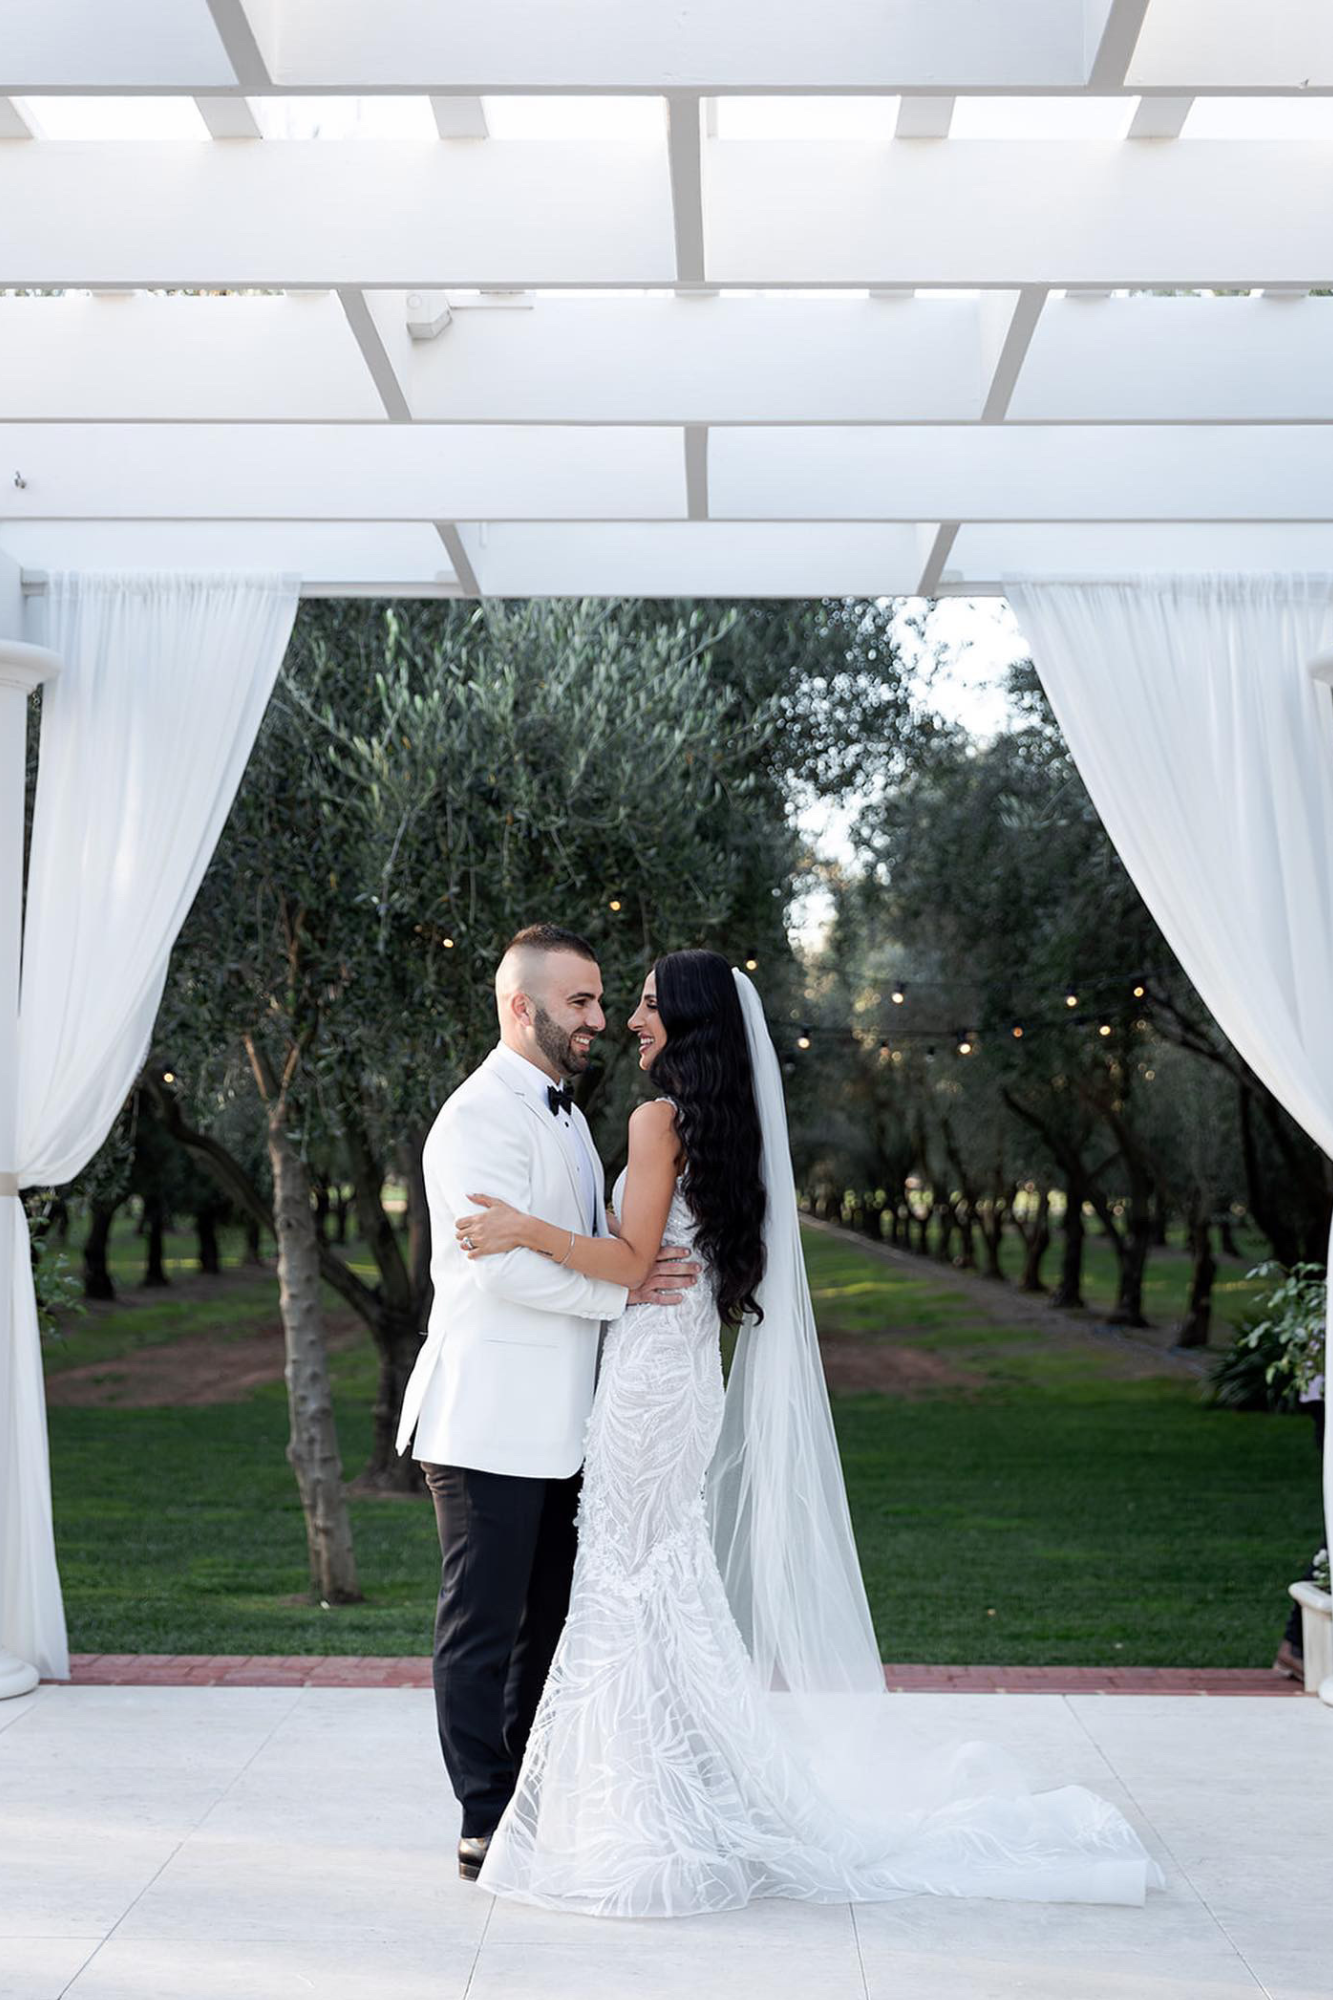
(385, 1671)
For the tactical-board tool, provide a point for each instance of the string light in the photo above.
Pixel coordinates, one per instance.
(898, 995)
(614, 903)
(1139, 989)
(964, 1045)
(803, 1039)
(1071, 998)
(448, 943)
(752, 962)
(1105, 1028)
(1017, 1031)
(168, 1076)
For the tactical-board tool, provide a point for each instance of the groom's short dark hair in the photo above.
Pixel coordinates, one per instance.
(550, 937)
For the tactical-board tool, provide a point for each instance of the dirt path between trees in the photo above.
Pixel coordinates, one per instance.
(896, 1367)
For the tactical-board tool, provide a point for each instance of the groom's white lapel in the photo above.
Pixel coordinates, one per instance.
(547, 1125)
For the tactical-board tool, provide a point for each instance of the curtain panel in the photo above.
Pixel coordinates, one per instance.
(144, 737)
(1207, 749)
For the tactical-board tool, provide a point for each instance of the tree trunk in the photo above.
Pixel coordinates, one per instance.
(396, 1321)
(966, 1260)
(254, 1253)
(1161, 1216)
(1134, 1248)
(1036, 1241)
(97, 1282)
(312, 1449)
(1069, 1286)
(1193, 1329)
(1226, 1230)
(206, 1228)
(154, 1275)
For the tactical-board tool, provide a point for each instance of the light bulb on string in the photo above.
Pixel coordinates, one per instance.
(898, 995)
(614, 904)
(1071, 997)
(752, 961)
(803, 1039)
(1105, 1028)
(1017, 1031)
(1139, 989)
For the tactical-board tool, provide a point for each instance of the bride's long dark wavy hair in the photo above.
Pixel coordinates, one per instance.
(705, 1066)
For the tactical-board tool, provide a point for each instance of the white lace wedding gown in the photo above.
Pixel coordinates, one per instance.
(661, 1778)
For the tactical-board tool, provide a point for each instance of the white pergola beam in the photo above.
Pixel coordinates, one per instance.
(685, 154)
(459, 117)
(1159, 117)
(462, 557)
(1234, 45)
(936, 540)
(996, 213)
(567, 360)
(146, 358)
(228, 118)
(1005, 472)
(728, 45)
(924, 117)
(401, 555)
(406, 472)
(13, 125)
(696, 472)
(518, 215)
(1113, 28)
(330, 472)
(363, 213)
(236, 23)
(375, 353)
(700, 559)
(1182, 360)
(666, 360)
(1007, 327)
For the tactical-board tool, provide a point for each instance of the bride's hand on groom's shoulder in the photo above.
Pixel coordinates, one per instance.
(497, 1227)
(669, 1280)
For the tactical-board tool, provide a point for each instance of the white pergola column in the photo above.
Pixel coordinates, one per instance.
(22, 668)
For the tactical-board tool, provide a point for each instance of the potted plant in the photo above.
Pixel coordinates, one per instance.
(1290, 1332)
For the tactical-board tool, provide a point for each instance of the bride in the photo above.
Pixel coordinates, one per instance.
(715, 1726)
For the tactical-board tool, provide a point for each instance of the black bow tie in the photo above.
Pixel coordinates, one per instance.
(559, 1100)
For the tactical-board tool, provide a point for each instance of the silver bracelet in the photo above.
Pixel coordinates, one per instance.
(570, 1252)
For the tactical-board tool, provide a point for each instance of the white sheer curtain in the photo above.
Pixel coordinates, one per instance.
(1207, 749)
(144, 738)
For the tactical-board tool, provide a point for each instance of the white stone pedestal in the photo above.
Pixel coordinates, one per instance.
(1316, 1636)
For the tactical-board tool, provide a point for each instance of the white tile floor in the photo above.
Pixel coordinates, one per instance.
(256, 1843)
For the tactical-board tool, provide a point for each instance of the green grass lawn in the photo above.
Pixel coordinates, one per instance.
(1054, 1513)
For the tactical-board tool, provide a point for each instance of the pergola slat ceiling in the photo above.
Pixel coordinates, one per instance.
(888, 296)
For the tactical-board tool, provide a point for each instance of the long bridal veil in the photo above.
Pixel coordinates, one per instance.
(782, 1532)
(924, 1809)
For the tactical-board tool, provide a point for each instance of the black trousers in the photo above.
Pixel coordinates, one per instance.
(506, 1563)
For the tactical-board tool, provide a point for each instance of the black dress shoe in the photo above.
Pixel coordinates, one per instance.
(471, 1853)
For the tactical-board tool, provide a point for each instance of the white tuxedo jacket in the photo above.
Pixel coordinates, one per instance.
(504, 1382)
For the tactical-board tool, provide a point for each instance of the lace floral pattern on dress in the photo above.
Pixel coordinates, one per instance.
(661, 1778)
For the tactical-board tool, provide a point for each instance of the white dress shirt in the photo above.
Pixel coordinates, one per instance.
(538, 1083)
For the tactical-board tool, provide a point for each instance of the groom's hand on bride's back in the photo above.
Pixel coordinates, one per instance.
(668, 1281)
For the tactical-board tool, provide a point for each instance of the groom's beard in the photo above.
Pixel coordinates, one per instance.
(558, 1046)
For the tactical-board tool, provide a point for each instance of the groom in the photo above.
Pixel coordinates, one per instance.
(502, 1388)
